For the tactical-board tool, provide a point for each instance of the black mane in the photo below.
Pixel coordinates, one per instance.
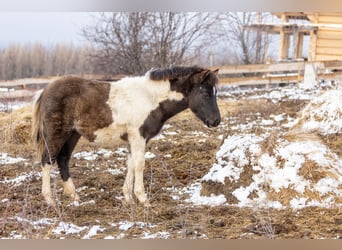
(173, 72)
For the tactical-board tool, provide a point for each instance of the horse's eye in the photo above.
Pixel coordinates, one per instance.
(207, 93)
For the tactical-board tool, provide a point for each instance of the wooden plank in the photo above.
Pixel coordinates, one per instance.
(333, 19)
(332, 43)
(246, 81)
(259, 81)
(328, 13)
(333, 64)
(261, 68)
(328, 51)
(329, 34)
(312, 48)
(325, 57)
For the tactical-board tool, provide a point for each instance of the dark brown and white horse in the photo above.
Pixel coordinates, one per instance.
(132, 109)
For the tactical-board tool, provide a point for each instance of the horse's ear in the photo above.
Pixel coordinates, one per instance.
(215, 71)
(204, 74)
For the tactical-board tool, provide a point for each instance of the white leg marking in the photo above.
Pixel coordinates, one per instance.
(137, 144)
(46, 186)
(139, 190)
(70, 190)
(128, 184)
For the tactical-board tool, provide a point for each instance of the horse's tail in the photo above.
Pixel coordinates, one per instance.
(37, 126)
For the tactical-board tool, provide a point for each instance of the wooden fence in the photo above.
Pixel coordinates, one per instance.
(279, 73)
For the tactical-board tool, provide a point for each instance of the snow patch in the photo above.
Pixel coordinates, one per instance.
(93, 231)
(324, 113)
(68, 228)
(279, 171)
(6, 159)
(194, 191)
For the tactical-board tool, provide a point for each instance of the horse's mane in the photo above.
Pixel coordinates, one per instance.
(173, 72)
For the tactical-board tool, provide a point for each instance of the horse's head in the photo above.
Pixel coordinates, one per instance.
(198, 87)
(202, 97)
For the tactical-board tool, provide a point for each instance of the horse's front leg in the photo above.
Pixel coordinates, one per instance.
(129, 181)
(136, 166)
(139, 190)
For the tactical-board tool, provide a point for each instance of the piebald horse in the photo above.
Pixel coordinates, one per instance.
(132, 109)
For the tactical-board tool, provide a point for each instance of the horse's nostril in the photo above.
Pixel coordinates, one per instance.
(217, 122)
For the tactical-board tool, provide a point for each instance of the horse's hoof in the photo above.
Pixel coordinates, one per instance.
(128, 203)
(50, 202)
(75, 198)
(147, 204)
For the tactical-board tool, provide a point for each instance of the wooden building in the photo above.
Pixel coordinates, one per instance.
(319, 32)
(324, 30)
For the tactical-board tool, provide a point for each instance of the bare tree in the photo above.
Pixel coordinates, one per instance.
(251, 45)
(132, 43)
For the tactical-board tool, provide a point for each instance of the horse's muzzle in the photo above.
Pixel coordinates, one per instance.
(213, 123)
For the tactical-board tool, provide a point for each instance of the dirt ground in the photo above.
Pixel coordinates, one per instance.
(191, 157)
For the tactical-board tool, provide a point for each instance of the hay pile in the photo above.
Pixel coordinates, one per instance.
(15, 127)
(283, 169)
(323, 114)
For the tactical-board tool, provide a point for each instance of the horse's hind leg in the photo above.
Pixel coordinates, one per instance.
(46, 186)
(63, 159)
(54, 141)
(48, 160)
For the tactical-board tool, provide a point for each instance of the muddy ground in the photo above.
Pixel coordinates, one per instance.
(192, 155)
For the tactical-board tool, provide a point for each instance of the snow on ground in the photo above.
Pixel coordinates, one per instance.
(5, 159)
(10, 106)
(282, 171)
(275, 94)
(63, 229)
(299, 172)
(92, 156)
(323, 113)
(20, 179)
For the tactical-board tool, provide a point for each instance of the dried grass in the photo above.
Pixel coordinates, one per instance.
(334, 142)
(211, 187)
(310, 170)
(298, 135)
(284, 195)
(270, 143)
(15, 127)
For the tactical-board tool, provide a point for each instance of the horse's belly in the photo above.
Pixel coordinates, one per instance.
(109, 136)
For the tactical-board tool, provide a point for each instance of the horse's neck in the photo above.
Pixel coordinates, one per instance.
(171, 108)
(155, 120)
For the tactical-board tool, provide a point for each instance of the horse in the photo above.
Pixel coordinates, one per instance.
(131, 110)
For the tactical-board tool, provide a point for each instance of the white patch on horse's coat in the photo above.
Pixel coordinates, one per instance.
(131, 100)
(214, 91)
(46, 186)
